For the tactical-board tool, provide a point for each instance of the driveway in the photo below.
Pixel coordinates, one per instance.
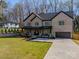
(63, 49)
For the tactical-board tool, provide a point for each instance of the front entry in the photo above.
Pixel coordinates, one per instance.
(36, 32)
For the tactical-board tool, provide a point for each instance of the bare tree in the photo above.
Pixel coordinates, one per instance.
(44, 7)
(52, 5)
(69, 5)
(61, 6)
(55, 7)
(36, 6)
(3, 5)
(27, 7)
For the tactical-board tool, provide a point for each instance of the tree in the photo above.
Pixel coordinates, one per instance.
(36, 6)
(55, 7)
(44, 7)
(18, 13)
(76, 23)
(77, 6)
(3, 5)
(26, 7)
(69, 5)
(61, 6)
(51, 5)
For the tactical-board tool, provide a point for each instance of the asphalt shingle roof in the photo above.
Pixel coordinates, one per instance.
(49, 16)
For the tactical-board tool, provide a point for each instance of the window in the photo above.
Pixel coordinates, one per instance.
(36, 24)
(61, 22)
(46, 23)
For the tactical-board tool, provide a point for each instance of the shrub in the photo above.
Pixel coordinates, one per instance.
(76, 35)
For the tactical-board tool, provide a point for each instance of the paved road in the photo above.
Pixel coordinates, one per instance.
(63, 49)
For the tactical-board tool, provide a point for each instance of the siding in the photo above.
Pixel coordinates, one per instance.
(47, 23)
(36, 20)
(67, 27)
(28, 20)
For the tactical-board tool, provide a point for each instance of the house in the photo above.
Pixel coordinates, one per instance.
(58, 25)
(10, 24)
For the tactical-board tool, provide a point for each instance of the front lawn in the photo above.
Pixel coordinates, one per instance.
(17, 48)
(76, 37)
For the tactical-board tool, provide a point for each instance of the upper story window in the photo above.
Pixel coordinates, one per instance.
(47, 23)
(61, 22)
(36, 24)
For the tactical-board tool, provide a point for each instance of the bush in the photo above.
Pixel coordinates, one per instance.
(76, 35)
(9, 30)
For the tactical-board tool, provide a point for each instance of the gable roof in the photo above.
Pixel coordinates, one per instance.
(69, 14)
(33, 17)
(49, 16)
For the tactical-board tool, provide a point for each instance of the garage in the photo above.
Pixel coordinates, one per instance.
(63, 35)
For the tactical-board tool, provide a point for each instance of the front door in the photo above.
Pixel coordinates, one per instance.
(36, 32)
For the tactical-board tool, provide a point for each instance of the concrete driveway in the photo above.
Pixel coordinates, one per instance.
(63, 49)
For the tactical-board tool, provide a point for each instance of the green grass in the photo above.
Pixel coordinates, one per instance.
(16, 48)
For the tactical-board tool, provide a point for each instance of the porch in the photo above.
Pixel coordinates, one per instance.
(39, 32)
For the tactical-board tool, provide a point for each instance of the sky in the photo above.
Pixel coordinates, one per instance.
(12, 2)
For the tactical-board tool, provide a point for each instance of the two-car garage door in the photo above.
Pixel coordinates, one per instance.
(63, 35)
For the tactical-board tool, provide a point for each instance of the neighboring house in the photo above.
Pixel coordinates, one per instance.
(59, 25)
(10, 24)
